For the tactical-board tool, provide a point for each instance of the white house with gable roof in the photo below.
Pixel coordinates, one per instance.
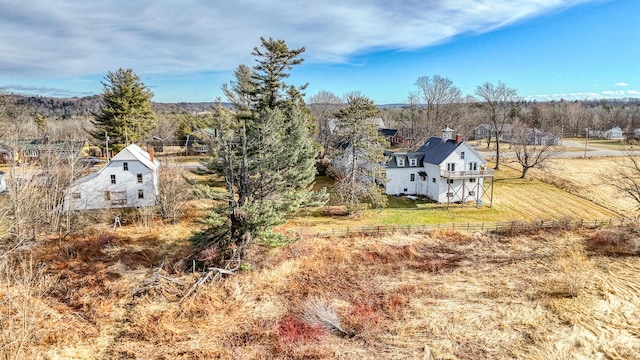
(129, 180)
(443, 169)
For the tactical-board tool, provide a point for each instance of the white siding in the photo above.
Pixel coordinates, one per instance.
(400, 181)
(435, 186)
(92, 191)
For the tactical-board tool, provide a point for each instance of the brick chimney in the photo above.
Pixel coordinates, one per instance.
(458, 139)
(151, 154)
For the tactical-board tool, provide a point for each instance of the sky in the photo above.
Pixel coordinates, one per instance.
(185, 50)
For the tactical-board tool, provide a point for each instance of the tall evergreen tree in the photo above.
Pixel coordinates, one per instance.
(361, 151)
(264, 149)
(125, 112)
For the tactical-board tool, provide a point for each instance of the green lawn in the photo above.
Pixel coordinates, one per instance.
(514, 200)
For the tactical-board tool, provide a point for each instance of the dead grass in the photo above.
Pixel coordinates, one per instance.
(587, 178)
(113, 294)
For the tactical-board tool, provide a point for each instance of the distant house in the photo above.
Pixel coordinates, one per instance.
(129, 180)
(485, 131)
(3, 183)
(33, 150)
(615, 133)
(539, 137)
(200, 144)
(443, 169)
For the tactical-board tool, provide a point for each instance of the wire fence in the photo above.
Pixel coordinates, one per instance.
(506, 228)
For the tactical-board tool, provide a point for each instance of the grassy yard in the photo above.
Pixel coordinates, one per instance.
(607, 144)
(514, 199)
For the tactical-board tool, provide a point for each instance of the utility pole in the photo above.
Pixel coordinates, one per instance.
(106, 141)
(586, 141)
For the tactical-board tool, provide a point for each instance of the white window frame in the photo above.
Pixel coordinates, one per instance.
(413, 162)
(400, 161)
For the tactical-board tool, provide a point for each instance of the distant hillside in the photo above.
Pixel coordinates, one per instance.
(65, 108)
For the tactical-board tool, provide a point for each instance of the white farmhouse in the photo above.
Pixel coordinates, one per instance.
(129, 180)
(443, 169)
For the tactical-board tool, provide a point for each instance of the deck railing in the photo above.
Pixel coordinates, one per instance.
(466, 174)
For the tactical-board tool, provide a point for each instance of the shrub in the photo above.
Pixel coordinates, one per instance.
(615, 242)
(292, 330)
(320, 313)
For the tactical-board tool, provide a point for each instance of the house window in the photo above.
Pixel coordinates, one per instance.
(140, 194)
(406, 190)
(433, 180)
(413, 177)
(400, 161)
(472, 193)
(125, 166)
(462, 155)
(140, 178)
(113, 179)
(451, 167)
(472, 180)
(413, 162)
(107, 195)
(75, 195)
(449, 181)
(473, 166)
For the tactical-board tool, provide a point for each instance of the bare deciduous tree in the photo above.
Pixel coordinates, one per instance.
(441, 98)
(323, 106)
(530, 152)
(175, 191)
(496, 102)
(626, 178)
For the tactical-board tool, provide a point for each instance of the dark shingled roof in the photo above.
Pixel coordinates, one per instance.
(410, 155)
(387, 132)
(435, 150)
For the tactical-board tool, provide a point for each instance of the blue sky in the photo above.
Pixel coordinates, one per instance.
(185, 50)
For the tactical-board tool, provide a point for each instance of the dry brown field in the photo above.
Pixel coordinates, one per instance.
(442, 295)
(587, 178)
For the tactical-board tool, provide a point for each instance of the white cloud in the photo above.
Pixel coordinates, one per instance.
(622, 84)
(609, 94)
(76, 38)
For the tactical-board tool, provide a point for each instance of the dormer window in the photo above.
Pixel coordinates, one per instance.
(413, 162)
(400, 161)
